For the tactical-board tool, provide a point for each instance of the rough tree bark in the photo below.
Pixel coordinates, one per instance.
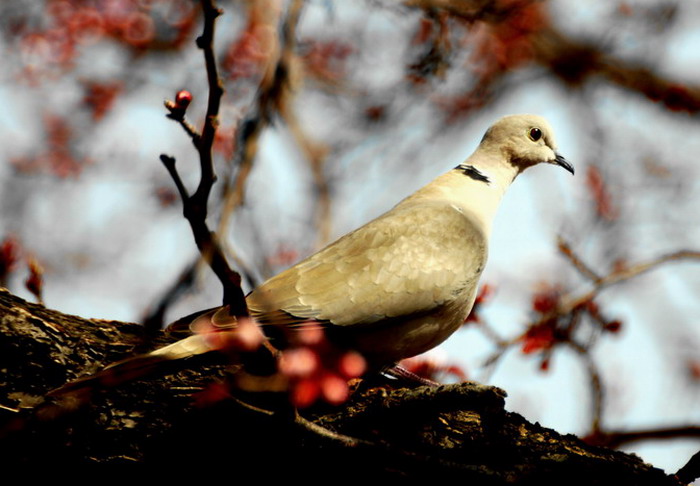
(457, 432)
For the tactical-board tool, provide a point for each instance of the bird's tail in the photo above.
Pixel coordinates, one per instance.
(214, 330)
(142, 365)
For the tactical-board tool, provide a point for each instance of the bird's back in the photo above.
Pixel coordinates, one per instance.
(420, 261)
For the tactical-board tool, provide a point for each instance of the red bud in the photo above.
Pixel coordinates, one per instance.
(183, 99)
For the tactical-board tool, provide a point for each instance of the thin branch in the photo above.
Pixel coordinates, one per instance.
(216, 91)
(190, 129)
(169, 163)
(153, 320)
(566, 250)
(617, 438)
(316, 429)
(569, 302)
(195, 206)
(598, 394)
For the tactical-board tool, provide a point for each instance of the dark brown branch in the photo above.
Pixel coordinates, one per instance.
(460, 432)
(571, 60)
(575, 62)
(195, 207)
(216, 91)
(617, 438)
(169, 163)
(190, 129)
(691, 471)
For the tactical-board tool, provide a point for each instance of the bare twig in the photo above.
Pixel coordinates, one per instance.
(617, 438)
(153, 321)
(569, 302)
(598, 394)
(566, 250)
(316, 429)
(190, 130)
(169, 163)
(195, 206)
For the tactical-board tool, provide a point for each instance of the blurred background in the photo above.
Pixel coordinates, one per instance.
(348, 108)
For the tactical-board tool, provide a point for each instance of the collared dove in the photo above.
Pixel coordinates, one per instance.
(404, 282)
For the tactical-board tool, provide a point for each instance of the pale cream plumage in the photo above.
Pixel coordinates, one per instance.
(404, 282)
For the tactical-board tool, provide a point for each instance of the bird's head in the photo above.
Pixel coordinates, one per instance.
(524, 141)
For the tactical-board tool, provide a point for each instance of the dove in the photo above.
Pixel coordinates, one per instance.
(405, 281)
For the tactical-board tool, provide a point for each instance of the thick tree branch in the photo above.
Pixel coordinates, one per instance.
(457, 432)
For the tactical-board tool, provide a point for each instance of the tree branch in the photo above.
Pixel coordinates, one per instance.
(195, 207)
(457, 432)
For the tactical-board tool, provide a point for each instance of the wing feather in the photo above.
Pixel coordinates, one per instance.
(411, 260)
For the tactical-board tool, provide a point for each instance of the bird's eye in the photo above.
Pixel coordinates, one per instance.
(535, 134)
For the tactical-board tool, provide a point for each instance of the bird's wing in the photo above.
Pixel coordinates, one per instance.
(411, 260)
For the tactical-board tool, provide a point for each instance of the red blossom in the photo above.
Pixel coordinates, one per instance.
(247, 56)
(375, 113)
(326, 60)
(183, 98)
(598, 190)
(305, 392)
(625, 9)
(592, 308)
(424, 31)
(545, 301)
(241, 335)
(212, 394)
(483, 296)
(539, 337)
(58, 158)
(315, 369)
(693, 367)
(166, 196)
(138, 30)
(507, 44)
(352, 365)
(613, 326)
(35, 280)
(75, 24)
(299, 363)
(544, 364)
(334, 389)
(100, 97)
(284, 256)
(85, 26)
(225, 141)
(177, 108)
(9, 254)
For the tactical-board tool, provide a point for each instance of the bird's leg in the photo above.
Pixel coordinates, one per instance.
(405, 377)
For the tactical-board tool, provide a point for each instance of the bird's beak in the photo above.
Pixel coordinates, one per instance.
(562, 162)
